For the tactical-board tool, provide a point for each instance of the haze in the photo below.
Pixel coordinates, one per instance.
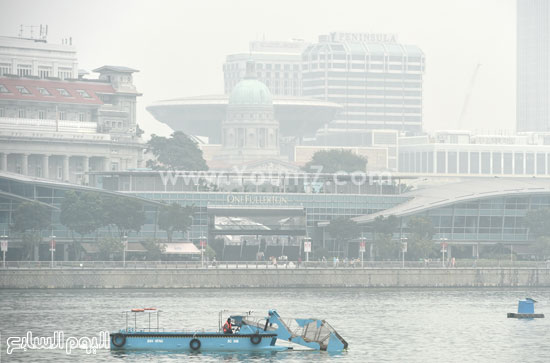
(179, 47)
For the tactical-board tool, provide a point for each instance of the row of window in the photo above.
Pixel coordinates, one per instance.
(25, 70)
(42, 114)
(45, 92)
(452, 162)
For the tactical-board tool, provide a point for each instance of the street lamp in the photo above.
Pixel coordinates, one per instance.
(4, 241)
(443, 247)
(307, 247)
(202, 244)
(362, 245)
(52, 248)
(125, 245)
(403, 249)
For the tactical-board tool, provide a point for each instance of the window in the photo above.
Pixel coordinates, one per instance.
(43, 91)
(64, 73)
(42, 115)
(44, 72)
(62, 115)
(3, 89)
(5, 68)
(24, 70)
(2, 114)
(83, 93)
(63, 92)
(23, 90)
(81, 116)
(21, 113)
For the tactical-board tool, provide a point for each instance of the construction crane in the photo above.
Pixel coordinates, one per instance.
(467, 99)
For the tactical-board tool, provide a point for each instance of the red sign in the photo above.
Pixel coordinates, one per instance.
(4, 246)
(307, 246)
(444, 245)
(361, 246)
(52, 244)
(203, 243)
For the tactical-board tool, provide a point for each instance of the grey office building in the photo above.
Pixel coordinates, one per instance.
(533, 65)
(377, 80)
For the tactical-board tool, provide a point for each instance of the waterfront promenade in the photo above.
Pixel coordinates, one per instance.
(260, 275)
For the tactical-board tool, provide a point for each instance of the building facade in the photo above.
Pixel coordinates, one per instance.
(278, 66)
(466, 212)
(377, 81)
(533, 65)
(60, 126)
(459, 153)
(38, 58)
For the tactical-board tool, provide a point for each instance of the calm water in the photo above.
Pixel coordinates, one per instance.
(379, 325)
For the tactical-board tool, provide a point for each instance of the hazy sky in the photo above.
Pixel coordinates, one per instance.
(180, 46)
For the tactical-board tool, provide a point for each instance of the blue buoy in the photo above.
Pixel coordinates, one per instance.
(526, 310)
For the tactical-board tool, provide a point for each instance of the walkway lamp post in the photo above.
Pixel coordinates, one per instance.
(403, 249)
(443, 250)
(52, 249)
(307, 247)
(202, 244)
(125, 247)
(362, 245)
(4, 242)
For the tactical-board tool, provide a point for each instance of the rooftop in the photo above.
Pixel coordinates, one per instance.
(430, 196)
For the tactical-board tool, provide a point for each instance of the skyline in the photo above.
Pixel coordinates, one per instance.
(179, 57)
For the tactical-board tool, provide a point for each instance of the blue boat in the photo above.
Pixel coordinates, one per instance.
(246, 333)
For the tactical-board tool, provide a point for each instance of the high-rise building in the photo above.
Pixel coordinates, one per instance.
(377, 80)
(533, 65)
(277, 66)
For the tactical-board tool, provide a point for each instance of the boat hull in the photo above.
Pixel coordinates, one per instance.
(194, 342)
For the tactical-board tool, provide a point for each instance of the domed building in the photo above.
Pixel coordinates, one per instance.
(249, 131)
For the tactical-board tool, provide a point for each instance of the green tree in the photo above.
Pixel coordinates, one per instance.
(332, 161)
(109, 248)
(173, 217)
(125, 213)
(81, 213)
(209, 252)
(31, 219)
(421, 232)
(343, 230)
(179, 152)
(383, 230)
(154, 248)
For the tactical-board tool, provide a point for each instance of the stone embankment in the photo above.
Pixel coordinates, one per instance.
(274, 278)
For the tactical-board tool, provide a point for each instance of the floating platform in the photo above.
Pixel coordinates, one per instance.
(526, 310)
(524, 316)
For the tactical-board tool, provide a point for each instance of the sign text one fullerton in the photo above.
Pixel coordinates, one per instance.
(363, 37)
(256, 199)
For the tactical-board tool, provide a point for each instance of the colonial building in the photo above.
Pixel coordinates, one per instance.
(59, 126)
(250, 131)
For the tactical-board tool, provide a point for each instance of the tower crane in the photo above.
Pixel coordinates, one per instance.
(467, 98)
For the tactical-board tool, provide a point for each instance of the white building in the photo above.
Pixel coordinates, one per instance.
(55, 125)
(459, 153)
(377, 80)
(278, 66)
(533, 65)
(38, 58)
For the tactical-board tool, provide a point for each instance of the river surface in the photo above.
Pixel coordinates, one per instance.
(380, 325)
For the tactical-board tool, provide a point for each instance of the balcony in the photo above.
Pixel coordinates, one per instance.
(20, 124)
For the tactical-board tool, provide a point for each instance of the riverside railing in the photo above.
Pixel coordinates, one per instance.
(270, 265)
